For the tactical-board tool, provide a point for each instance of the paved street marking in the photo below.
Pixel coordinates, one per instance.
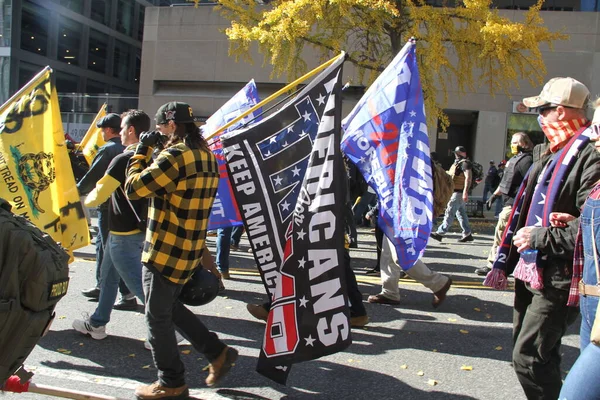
(95, 380)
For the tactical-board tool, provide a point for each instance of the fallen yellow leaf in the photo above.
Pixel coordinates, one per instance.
(488, 316)
(498, 348)
(146, 367)
(81, 344)
(205, 368)
(404, 366)
(132, 355)
(420, 373)
(464, 331)
(186, 351)
(477, 309)
(432, 382)
(434, 350)
(62, 317)
(64, 351)
(466, 368)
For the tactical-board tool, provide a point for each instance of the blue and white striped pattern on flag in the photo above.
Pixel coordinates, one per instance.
(386, 137)
(225, 211)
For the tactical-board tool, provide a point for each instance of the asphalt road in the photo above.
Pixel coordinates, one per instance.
(460, 351)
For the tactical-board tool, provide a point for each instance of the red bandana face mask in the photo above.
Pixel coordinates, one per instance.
(558, 133)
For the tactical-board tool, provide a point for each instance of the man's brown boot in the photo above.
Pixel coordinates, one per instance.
(157, 391)
(221, 366)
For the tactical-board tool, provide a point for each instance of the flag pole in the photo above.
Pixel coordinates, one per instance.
(22, 90)
(276, 94)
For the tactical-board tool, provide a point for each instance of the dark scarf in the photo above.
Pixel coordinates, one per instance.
(537, 206)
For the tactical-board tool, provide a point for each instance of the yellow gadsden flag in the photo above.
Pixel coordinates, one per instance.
(93, 139)
(36, 175)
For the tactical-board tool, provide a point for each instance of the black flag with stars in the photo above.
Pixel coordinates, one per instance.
(288, 179)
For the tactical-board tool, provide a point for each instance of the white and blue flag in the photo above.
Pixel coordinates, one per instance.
(386, 138)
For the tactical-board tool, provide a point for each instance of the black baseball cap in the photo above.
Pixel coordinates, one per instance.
(175, 111)
(460, 149)
(111, 120)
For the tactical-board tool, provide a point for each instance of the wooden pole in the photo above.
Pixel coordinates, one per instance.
(67, 393)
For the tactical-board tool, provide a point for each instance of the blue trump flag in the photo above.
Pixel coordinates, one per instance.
(386, 138)
(224, 212)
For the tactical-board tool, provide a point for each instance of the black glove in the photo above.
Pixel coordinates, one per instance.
(490, 202)
(151, 138)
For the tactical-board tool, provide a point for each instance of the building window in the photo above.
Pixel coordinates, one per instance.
(66, 83)
(121, 64)
(95, 87)
(6, 20)
(27, 72)
(73, 5)
(125, 13)
(34, 29)
(138, 65)
(97, 51)
(141, 23)
(69, 40)
(101, 11)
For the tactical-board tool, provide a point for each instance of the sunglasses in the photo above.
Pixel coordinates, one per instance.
(542, 110)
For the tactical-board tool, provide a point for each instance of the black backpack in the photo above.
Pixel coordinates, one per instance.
(34, 276)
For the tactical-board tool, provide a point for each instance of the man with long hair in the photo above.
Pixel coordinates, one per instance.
(181, 185)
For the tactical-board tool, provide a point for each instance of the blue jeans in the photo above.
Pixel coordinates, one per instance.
(101, 241)
(122, 259)
(236, 234)
(582, 381)
(499, 207)
(590, 228)
(487, 188)
(456, 207)
(226, 237)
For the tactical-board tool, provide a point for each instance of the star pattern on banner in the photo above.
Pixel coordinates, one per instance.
(301, 234)
(307, 122)
(301, 262)
(310, 341)
(303, 301)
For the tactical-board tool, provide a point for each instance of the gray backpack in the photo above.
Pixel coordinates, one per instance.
(34, 276)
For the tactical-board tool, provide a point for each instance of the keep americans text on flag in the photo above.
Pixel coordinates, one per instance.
(282, 172)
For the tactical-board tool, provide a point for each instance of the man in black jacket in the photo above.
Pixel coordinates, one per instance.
(515, 171)
(111, 126)
(541, 315)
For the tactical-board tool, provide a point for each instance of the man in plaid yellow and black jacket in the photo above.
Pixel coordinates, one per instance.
(181, 184)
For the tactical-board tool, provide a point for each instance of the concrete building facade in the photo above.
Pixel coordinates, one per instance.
(185, 57)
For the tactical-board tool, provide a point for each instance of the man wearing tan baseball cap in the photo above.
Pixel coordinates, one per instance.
(539, 255)
(566, 92)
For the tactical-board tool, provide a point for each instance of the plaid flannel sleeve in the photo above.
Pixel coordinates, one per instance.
(154, 180)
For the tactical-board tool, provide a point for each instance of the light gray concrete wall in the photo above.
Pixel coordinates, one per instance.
(185, 57)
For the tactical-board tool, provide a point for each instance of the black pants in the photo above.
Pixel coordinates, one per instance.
(540, 319)
(163, 312)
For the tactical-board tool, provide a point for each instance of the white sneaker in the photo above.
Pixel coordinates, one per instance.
(178, 337)
(85, 327)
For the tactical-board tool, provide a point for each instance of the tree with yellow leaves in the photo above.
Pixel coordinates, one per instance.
(464, 46)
